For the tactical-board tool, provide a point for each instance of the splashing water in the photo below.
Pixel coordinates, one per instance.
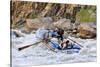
(40, 54)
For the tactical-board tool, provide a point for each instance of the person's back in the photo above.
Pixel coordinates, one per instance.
(60, 33)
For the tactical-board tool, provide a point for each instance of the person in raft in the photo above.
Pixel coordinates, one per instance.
(60, 42)
(55, 38)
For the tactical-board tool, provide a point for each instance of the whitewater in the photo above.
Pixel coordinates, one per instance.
(40, 55)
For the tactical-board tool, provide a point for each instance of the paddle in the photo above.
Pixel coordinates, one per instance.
(46, 44)
(21, 48)
(75, 42)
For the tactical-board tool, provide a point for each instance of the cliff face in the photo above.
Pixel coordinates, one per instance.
(31, 10)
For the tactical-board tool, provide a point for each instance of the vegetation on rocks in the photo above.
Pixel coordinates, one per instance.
(87, 14)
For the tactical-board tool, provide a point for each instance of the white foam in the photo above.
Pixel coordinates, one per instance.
(41, 55)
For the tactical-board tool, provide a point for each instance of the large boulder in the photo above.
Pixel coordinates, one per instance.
(34, 24)
(87, 30)
(63, 24)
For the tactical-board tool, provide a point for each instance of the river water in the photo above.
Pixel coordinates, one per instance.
(41, 55)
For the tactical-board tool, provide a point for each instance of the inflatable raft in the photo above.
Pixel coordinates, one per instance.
(71, 48)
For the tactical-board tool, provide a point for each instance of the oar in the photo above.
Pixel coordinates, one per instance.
(21, 48)
(75, 42)
(49, 47)
(46, 44)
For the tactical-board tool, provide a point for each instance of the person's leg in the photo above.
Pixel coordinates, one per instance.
(56, 45)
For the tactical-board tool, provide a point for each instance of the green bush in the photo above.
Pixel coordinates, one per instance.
(87, 15)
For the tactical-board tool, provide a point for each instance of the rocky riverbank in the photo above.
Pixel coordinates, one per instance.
(84, 30)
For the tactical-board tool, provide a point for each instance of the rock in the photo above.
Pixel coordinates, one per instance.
(63, 24)
(34, 24)
(87, 30)
(17, 33)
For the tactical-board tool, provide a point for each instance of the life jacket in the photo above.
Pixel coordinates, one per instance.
(53, 34)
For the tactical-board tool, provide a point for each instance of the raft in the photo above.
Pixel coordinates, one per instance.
(71, 48)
